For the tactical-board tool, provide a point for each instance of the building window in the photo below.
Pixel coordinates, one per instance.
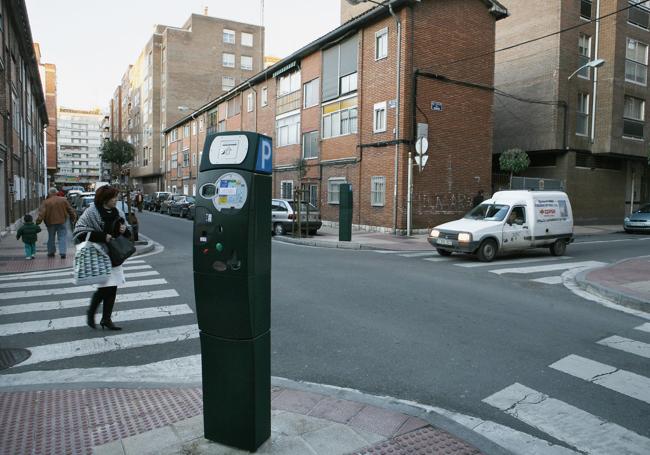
(265, 97)
(348, 83)
(186, 131)
(186, 157)
(228, 36)
(340, 118)
(247, 39)
(584, 53)
(582, 114)
(310, 94)
(228, 60)
(585, 9)
(381, 44)
(193, 159)
(249, 102)
(338, 62)
(201, 125)
(313, 195)
(194, 127)
(221, 126)
(310, 145)
(379, 118)
(633, 117)
(636, 62)
(227, 83)
(286, 189)
(233, 106)
(334, 189)
(378, 191)
(289, 83)
(288, 130)
(638, 13)
(246, 62)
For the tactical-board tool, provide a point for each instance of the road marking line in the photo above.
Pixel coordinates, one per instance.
(389, 251)
(134, 261)
(644, 327)
(610, 241)
(627, 345)
(46, 325)
(438, 259)
(549, 268)
(549, 280)
(41, 275)
(513, 261)
(584, 431)
(92, 346)
(418, 255)
(75, 290)
(75, 303)
(23, 284)
(624, 382)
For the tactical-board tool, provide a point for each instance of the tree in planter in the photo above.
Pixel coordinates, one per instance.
(514, 161)
(118, 154)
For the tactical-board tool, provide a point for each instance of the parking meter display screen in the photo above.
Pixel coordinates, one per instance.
(232, 192)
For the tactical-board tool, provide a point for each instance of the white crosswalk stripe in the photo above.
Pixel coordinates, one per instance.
(549, 280)
(75, 290)
(45, 325)
(498, 263)
(549, 267)
(41, 275)
(419, 255)
(74, 303)
(584, 431)
(625, 344)
(644, 327)
(23, 284)
(621, 381)
(436, 259)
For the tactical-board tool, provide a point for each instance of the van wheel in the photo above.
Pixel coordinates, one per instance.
(558, 248)
(442, 252)
(278, 229)
(487, 251)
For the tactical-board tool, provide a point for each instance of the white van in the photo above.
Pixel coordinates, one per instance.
(509, 221)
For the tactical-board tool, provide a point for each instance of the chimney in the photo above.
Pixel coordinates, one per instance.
(205, 10)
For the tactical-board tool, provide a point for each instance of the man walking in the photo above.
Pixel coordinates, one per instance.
(478, 198)
(54, 211)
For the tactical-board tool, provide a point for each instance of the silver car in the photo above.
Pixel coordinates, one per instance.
(284, 217)
(638, 221)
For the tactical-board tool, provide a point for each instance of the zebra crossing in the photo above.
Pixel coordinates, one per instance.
(45, 306)
(536, 265)
(583, 431)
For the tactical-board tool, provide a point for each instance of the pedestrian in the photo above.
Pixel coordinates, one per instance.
(29, 232)
(55, 211)
(104, 221)
(139, 200)
(478, 198)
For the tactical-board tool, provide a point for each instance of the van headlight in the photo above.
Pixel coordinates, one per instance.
(464, 237)
(435, 232)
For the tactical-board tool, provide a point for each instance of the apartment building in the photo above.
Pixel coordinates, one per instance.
(22, 157)
(80, 139)
(582, 125)
(48, 79)
(178, 70)
(346, 108)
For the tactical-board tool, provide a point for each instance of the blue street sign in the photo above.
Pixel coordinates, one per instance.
(264, 157)
(436, 106)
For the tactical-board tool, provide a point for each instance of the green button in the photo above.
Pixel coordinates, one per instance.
(219, 247)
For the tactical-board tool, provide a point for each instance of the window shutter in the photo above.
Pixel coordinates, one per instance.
(331, 73)
(349, 50)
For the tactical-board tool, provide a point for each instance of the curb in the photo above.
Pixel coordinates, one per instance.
(146, 248)
(614, 295)
(328, 244)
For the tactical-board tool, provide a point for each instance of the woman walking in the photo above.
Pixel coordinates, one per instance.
(104, 221)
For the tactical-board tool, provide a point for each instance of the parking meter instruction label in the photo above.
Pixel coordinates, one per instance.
(229, 149)
(232, 192)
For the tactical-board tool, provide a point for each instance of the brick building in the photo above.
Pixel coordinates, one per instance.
(48, 79)
(24, 117)
(336, 115)
(177, 72)
(597, 145)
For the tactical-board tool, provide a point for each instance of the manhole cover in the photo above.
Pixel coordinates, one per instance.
(12, 356)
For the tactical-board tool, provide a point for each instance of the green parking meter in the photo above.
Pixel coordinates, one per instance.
(345, 212)
(232, 287)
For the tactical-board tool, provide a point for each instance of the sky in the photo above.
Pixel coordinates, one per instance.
(92, 42)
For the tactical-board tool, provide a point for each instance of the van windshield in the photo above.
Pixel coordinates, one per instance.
(488, 212)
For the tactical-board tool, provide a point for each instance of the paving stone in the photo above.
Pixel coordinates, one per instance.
(151, 442)
(412, 424)
(335, 439)
(286, 445)
(336, 410)
(296, 401)
(293, 424)
(112, 448)
(188, 429)
(378, 421)
(203, 446)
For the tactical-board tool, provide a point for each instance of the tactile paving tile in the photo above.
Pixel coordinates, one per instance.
(73, 421)
(426, 440)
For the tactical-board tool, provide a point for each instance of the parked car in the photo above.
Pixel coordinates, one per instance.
(191, 211)
(180, 207)
(158, 198)
(82, 201)
(284, 217)
(165, 206)
(147, 202)
(638, 221)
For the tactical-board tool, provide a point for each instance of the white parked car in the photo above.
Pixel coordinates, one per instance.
(509, 221)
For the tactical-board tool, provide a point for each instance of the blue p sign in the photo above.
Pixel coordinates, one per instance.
(264, 156)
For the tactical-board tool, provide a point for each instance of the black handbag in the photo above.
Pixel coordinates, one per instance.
(120, 249)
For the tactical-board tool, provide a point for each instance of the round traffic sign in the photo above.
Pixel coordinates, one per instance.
(421, 145)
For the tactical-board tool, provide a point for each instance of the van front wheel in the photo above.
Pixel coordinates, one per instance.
(487, 251)
(558, 248)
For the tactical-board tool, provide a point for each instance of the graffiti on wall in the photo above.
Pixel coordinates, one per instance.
(441, 204)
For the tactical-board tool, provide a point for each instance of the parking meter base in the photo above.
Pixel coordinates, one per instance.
(234, 307)
(237, 390)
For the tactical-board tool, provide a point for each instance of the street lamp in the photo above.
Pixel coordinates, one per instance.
(397, 113)
(597, 63)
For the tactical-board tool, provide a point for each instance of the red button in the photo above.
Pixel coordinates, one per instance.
(206, 251)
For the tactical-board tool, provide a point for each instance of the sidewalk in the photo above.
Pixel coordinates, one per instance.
(328, 237)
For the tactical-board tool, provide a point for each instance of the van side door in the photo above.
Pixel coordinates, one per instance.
(516, 230)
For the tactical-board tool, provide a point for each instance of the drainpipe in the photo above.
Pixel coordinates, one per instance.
(397, 112)
(593, 90)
